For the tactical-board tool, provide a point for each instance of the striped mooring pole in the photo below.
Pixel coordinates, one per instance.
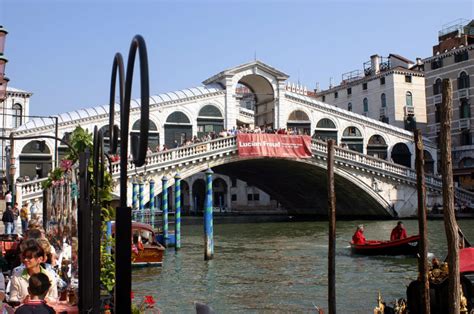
(164, 204)
(177, 214)
(208, 224)
(152, 202)
(134, 194)
(141, 199)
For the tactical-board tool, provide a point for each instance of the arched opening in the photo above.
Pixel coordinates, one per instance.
(325, 130)
(106, 134)
(429, 162)
(35, 160)
(17, 115)
(437, 86)
(178, 129)
(209, 120)
(365, 103)
(219, 187)
(62, 148)
(401, 155)
(465, 109)
(259, 91)
(463, 80)
(409, 99)
(352, 139)
(185, 197)
(383, 100)
(377, 147)
(299, 122)
(199, 195)
(349, 106)
(153, 134)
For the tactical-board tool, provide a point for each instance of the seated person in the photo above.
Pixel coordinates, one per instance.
(398, 232)
(32, 256)
(358, 237)
(38, 286)
(2, 287)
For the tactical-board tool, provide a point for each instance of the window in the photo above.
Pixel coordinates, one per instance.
(364, 86)
(17, 115)
(349, 91)
(408, 78)
(466, 138)
(465, 110)
(256, 197)
(366, 105)
(409, 99)
(383, 100)
(233, 197)
(349, 106)
(437, 87)
(324, 98)
(437, 113)
(234, 182)
(382, 81)
(463, 80)
(461, 56)
(436, 64)
(249, 197)
(336, 94)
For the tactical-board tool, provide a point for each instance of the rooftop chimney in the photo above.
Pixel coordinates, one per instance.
(375, 64)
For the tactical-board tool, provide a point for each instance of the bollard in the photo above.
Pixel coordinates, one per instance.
(177, 215)
(141, 200)
(152, 202)
(208, 225)
(164, 203)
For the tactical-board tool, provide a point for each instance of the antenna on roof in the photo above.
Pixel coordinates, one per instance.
(330, 82)
(255, 55)
(298, 76)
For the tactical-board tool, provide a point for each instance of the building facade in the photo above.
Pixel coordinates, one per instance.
(453, 58)
(391, 90)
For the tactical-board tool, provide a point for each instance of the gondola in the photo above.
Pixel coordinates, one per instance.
(407, 246)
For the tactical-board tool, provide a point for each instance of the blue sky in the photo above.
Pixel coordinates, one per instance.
(62, 50)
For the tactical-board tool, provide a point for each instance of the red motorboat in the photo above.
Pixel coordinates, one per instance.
(407, 246)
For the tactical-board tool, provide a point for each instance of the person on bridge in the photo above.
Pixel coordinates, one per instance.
(398, 232)
(358, 237)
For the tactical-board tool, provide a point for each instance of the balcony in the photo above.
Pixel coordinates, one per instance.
(438, 99)
(463, 93)
(383, 111)
(464, 123)
(409, 111)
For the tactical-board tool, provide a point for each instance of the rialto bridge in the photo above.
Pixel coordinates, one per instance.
(374, 171)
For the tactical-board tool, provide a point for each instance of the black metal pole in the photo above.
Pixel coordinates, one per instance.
(332, 230)
(123, 228)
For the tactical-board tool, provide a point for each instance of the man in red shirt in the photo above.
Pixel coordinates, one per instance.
(358, 237)
(398, 232)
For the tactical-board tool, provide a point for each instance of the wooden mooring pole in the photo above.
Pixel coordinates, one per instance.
(423, 249)
(332, 231)
(450, 223)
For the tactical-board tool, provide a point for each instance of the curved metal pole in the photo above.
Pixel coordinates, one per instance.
(123, 252)
(116, 67)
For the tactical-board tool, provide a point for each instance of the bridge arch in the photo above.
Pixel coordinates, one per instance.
(299, 121)
(325, 129)
(220, 189)
(377, 146)
(429, 162)
(178, 128)
(198, 195)
(263, 86)
(35, 159)
(401, 155)
(353, 139)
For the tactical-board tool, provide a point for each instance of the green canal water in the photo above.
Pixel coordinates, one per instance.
(282, 267)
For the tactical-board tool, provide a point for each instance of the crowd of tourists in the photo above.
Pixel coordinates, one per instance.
(35, 272)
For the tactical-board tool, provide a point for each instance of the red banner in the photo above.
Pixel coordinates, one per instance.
(274, 145)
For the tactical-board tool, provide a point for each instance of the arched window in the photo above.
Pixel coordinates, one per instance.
(209, 120)
(178, 117)
(409, 99)
(210, 111)
(298, 115)
(437, 87)
(463, 80)
(366, 105)
(17, 115)
(178, 129)
(383, 100)
(153, 134)
(299, 123)
(465, 111)
(349, 106)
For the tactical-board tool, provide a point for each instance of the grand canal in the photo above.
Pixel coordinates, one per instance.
(282, 267)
